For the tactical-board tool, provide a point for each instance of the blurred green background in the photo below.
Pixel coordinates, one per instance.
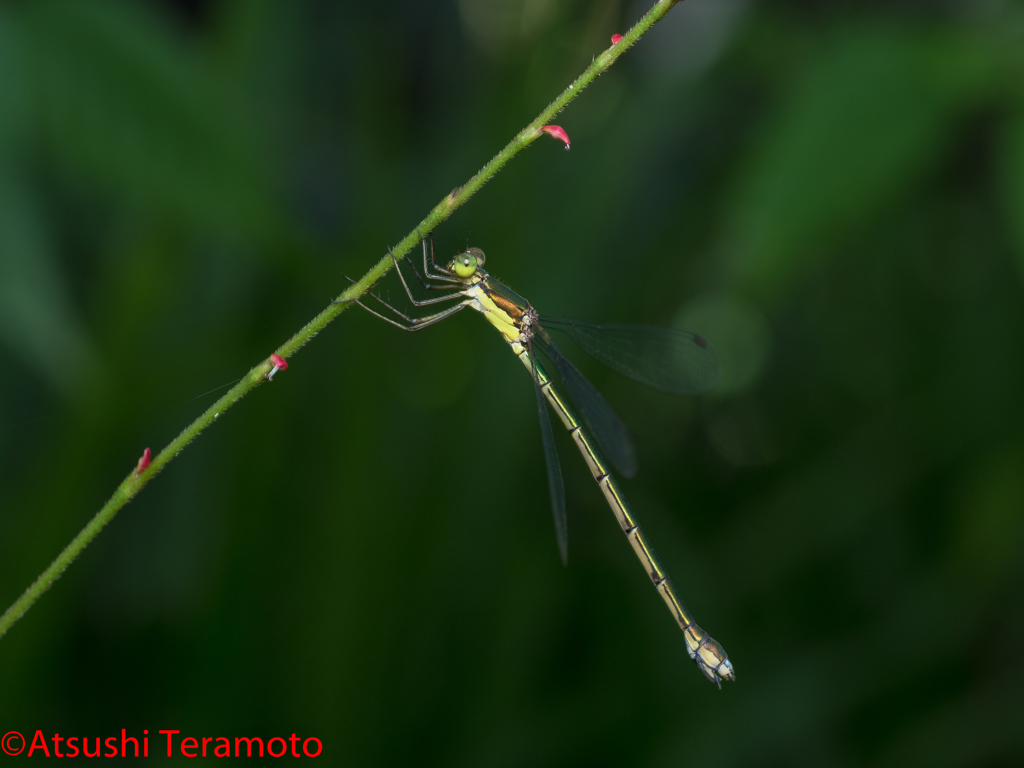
(832, 192)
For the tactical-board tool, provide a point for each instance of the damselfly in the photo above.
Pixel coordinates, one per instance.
(669, 360)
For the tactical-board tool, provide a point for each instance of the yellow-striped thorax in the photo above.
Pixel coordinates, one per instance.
(505, 309)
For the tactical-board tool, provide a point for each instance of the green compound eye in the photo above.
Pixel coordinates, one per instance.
(465, 264)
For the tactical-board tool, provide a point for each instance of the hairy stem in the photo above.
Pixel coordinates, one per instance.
(135, 481)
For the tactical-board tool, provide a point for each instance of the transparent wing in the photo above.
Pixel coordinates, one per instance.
(556, 487)
(602, 421)
(678, 362)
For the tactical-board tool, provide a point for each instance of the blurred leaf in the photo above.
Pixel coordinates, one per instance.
(1011, 166)
(14, 98)
(36, 316)
(496, 26)
(127, 105)
(738, 331)
(858, 129)
(991, 534)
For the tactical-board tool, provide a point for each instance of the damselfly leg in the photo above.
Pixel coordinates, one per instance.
(425, 302)
(447, 275)
(412, 323)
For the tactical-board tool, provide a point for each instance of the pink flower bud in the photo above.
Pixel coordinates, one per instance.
(556, 131)
(280, 364)
(615, 39)
(143, 462)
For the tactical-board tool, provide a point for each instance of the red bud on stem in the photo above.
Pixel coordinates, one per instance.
(280, 364)
(557, 132)
(143, 462)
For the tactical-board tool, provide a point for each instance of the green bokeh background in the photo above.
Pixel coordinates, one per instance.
(832, 192)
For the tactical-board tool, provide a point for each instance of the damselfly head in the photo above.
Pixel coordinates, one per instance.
(465, 264)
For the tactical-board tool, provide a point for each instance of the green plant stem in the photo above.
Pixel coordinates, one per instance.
(136, 480)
